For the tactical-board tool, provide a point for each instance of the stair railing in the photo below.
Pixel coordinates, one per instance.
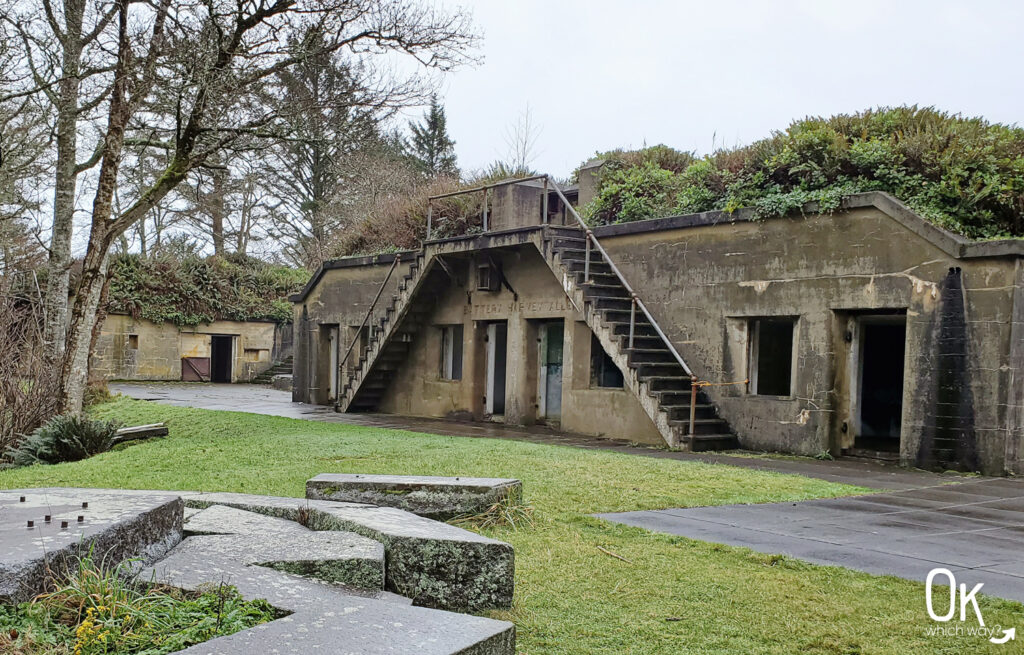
(635, 300)
(369, 313)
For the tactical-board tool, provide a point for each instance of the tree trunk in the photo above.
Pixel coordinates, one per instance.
(217, 205)
(59, 264)
(75, 371)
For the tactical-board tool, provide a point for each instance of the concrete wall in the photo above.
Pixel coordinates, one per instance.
(338, 297)
(418, 390)
(138, 349)
(704, 283)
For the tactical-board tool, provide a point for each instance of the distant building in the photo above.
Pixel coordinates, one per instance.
(866, 332)
(223, 351)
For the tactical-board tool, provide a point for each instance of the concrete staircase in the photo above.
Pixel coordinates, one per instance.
(283, 367)
(390, 337)
(650, 370)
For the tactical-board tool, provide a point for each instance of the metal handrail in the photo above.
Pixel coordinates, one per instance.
(550, 183)
(636, 302)
(485, 188)
(369, 312)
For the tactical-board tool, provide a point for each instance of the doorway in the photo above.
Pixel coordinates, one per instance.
(879, 406)
(497, 346)
(333, 348)
(221, 354)
(549, 377)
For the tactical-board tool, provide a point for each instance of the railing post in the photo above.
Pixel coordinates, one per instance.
(632, 320)
(586, 260)
(544, 204)
(485, 209)
(693, 404)
(430, 212)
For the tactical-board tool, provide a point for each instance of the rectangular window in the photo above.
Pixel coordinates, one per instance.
(603, 371)
(133, 342)
(771, 356)
(451, 352)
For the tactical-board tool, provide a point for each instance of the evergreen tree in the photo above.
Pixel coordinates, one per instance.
(431, 148)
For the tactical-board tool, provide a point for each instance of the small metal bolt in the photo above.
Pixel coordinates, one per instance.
(31, 523)
(22, 499)
(63, 525)
(85, 505)
(81, 519)
(47, 518)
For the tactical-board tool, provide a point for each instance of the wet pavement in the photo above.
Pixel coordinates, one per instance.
(261, 399)
(974, 529)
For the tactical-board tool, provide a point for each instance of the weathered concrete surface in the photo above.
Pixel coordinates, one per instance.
(219, 519)
(431, 496)
(282, 382)
(322, 617)
(332, 620)
(972, 528)
(116, 525)
(341, 557)
(436, 564)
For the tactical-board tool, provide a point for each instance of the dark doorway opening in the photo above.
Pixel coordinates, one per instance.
(220, 358)
(883, 346)
(497, 345)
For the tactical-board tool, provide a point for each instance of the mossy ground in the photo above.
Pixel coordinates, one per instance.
(674, 596)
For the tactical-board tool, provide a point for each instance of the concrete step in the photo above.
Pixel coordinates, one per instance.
(650, 355)
(702, 443)
(656, 369)
(678, 383)
(700, 426)
(682, 412)
(601, 290)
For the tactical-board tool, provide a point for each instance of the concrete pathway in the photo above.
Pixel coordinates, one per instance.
(975, 529)
(260, 399)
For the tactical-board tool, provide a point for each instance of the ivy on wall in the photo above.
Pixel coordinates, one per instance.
(191, 290)
(963, 174)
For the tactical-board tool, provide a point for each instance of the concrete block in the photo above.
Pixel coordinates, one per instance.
(116, 525)
(337, 557)
(219, 519)
(433, 497)
(281, 382)
(436, 564)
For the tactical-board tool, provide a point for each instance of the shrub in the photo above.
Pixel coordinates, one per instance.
(963, 174)
(191, 289)
(65, 438)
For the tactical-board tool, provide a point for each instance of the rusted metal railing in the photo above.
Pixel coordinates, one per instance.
(591, 244)
(485, 190)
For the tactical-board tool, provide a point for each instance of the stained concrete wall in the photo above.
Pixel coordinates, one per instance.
(139, 349)
(337, 297)
(703, 283)
(417, 388)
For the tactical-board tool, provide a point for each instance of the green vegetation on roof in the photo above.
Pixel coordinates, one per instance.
(192, 289)
(962, 174)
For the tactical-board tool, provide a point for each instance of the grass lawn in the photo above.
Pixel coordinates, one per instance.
(674, 596)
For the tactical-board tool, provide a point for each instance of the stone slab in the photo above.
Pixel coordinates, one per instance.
(117, 525)
(341, 557)
(431, 496)
(322, 617)
(436, 564)
(219, 519)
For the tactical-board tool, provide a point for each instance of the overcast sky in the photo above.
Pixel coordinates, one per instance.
(599, 74)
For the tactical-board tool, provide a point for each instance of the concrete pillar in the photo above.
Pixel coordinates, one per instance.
(588, 180)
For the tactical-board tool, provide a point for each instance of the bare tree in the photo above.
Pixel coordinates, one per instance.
(183, 78)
